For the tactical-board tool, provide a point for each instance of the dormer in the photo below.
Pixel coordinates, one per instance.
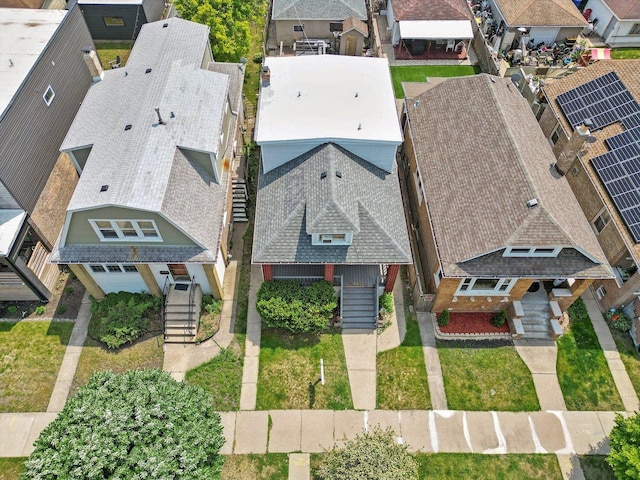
(332, 238)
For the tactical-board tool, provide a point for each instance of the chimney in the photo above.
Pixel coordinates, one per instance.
(93, 64)
(265, 76)
(567, 155)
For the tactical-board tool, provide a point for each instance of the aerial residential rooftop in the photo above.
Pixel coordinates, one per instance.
(313, 9)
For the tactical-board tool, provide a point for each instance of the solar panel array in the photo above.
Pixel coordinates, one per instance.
(604, 101)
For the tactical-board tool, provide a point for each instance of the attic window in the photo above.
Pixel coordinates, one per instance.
(48, 96)
(531, 252)
(148, 70)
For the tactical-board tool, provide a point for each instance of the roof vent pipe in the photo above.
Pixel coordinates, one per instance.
(160, 121)
(532, 203)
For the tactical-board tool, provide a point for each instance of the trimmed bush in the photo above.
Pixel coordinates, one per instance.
(289, 306)
(211, 305)
(619, 320)
(499, 318)
(40, 309)
(386, 302)
(443, 318)
(122, 317)
(624, 439)
(371, 456)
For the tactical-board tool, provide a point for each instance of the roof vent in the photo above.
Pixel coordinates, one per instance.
(338, 174)
(104, 188)
(356, 94)
(532, 203)
(148, 70)
(323, 175)
(359, 126)
(127, 126)
(165, 25)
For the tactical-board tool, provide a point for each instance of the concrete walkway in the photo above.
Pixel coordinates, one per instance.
(432, 361)
(620, 376)
(570, 467)
(252, 345)
(393, 335)
(360, 355)
(540, 356)
(71, 357)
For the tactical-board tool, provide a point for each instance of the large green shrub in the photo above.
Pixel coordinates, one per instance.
(139, 424)
(624, 439)
(293, 307)
(386, 302)
(373, 455)
(122, 317)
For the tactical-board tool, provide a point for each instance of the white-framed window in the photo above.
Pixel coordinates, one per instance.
(601, 220)
(331, 238)
(531, 251)
(437, 277)
(418, 182)
(298, 28)
(485, 286)
(635, 29)
(113, 268)
(126, 230)
(48, 95)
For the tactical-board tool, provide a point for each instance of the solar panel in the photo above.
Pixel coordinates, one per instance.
(605, 101)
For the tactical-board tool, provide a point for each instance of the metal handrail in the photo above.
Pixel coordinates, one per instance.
(192, 294)
(165, 294)
(341, 295)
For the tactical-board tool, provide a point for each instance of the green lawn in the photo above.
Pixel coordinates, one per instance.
(486, 376)
(222, 376)
(625, 53)
(31, 354)
(146, 353)
(11, 468)
(583, 373)
(469, 466)
(290, 368)
(595, 467)
(272, 466)
(419, 73)
(629, 356)
(402, 375)
(107, 51)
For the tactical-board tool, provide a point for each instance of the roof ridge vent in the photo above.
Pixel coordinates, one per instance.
(532, 203)
(148, 70)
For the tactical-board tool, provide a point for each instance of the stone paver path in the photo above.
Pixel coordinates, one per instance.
(432, 361)
(71, 357)
(540, 356)
(360, 355)
(620, 376)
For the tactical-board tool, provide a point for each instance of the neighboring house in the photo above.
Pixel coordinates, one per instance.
(493, 226)
(438, 28)
(313, 20)
(43, 80)
(522, 21)
(154, 144)
(119, 19)
(328, 203)
(21, 3)
(616, 21)
(603, 176)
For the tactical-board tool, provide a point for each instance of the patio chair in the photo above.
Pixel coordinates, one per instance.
(451, 45)
(115, 63)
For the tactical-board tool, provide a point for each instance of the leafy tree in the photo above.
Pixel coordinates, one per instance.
(625, 447)
(371, 456)
(229, 22)
(139, 424)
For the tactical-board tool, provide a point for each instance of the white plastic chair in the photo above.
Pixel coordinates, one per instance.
(451, 45)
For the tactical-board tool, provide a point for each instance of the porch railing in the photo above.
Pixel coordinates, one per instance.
(165, 294)
(192, 307)
(341, 295)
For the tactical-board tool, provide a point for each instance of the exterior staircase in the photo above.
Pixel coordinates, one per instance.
(240, 197)
(359, 307)
(181, 312)
(535, 321)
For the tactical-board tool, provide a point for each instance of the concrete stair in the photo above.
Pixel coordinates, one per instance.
(359, 307)
(178, 329)
(536, 321)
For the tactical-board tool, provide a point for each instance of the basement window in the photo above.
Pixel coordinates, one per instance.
(48, 96)
(113, 21)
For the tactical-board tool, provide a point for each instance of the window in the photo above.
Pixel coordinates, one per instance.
(298, 28)
(331, 239)
(335, 26)
(48, 96)
(531, 251)
(485, 286)
(555, 136)
(418, 182)
(113, 21)
(601, 220)
(129, 268)
(635, 29)
(131, 230)
(97, 268)
(437, 277)
(113, 268)
(601, 292)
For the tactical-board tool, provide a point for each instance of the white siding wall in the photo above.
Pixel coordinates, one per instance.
(619, 35)
(111, 282)
(544, 34)
(194, 269)
(601, 12)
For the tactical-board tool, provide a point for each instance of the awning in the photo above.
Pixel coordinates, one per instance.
(600, 54)
(436, 29)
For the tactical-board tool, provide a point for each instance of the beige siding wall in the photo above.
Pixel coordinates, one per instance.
(314, 30)
(81, 232)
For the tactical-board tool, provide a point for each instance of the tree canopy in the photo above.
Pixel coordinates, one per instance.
(138, 424)
(624, 439)
(229, 20)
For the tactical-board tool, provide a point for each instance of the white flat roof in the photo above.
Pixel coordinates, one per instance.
(24, 34)
(328, 97)
(436, 29)
(10, 223)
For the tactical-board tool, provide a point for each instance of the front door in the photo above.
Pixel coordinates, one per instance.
(351, 45)
(178, 271)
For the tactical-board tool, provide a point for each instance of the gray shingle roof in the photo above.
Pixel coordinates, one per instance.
(143, 166)
(482, 157)
(318, 10)
(290, 199)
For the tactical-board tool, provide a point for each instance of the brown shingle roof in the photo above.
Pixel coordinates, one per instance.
(430, 10)
(482, 156)
(352, 23)
(629, 72)
(625, 9)
(528, 13)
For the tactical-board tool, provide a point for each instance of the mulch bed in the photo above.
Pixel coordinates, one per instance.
(472, 322)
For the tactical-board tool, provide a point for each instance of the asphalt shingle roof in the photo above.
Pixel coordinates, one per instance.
(477, 182)
(625, 9)
(430, 10)
(526, 13)
(365, 200)
(318, 10)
